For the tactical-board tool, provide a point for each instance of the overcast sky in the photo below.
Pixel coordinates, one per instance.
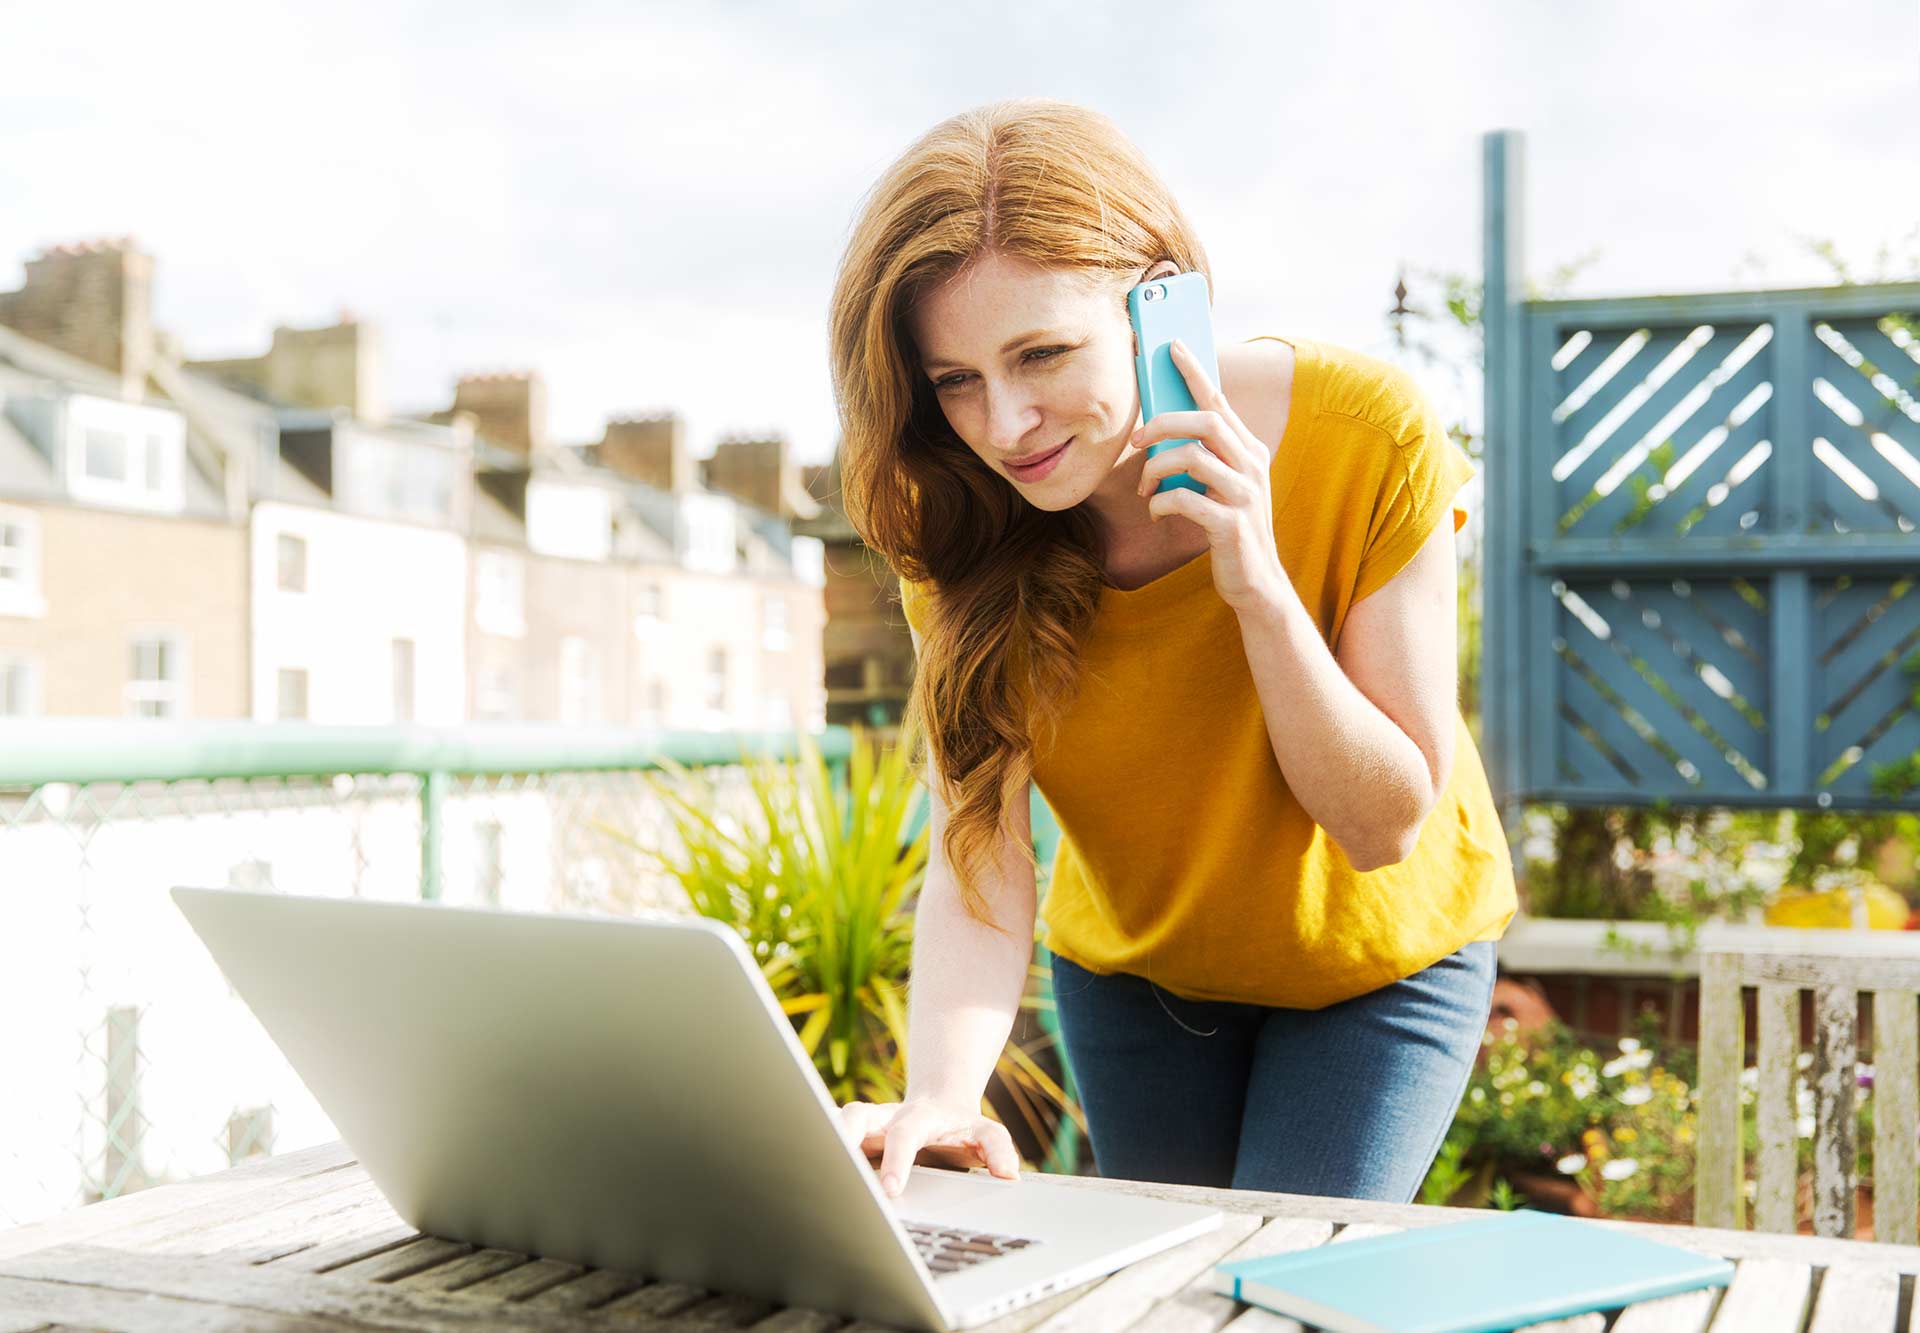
(646, 202)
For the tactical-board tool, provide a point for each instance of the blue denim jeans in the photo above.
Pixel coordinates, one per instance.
(1351, 1100)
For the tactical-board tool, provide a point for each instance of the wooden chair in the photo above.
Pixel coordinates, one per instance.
(1837, 966)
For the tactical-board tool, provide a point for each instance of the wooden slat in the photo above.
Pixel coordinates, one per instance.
(1896, 1116)
(1835, 1099)
(517, 1284)
(589, 1291)
(1777, 1169)
(707, 1311)
(264, 1177)
(465, 1271)
(353, 1205)
(1686, 1313)
(1717, 1195)
(1593, 1321)
(1198, 1308)
(800, 1321)
(659, 1299)
(326, 1257)
(1027, 1317)
(1725, 1244)
(42, 1306)
(356, 1215)
(1133, 1291)
(118, 1290)
(1856, 1298)
(416, 1256)
(1767, 1296)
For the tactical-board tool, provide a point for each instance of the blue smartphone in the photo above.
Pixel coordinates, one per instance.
(1162, 310)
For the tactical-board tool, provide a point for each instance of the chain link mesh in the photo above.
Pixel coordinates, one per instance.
(128, 1060)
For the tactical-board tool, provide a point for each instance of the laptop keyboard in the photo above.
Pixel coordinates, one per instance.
(947, 1250)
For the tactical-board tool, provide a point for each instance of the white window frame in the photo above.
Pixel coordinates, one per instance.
(776, 622)
(498, 698)
(406, 692)
(175, 691)
(722, 678)
(156, 444)
(279, 694)
(22, 594)
(580, 696)
(650, 607)
(280, 563)
(500, 594)
(34, 704)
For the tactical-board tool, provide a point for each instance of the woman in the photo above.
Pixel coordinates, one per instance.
(1281, 872)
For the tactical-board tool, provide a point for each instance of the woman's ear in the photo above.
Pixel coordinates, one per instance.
(1164, 268)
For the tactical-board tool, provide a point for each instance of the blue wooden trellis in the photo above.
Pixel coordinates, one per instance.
(1702, 570)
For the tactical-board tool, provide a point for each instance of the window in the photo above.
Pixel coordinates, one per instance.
(499, 595)
(717, 679)
(403, 680)
(157, 676)
(774, 634)
(499, 699)
(776, 713)
(107, 456)
(20, 563)
(292, 556)
(650, 602)
(292, 705)
(124, 453)
(579, 681)
(19, 687)
(653, 704)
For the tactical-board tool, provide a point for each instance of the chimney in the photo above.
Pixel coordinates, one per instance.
(94, 301)
(650, 449)
(336, 365)
(761, 472)
(509, 408)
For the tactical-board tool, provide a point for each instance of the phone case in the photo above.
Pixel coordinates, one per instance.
(1177, 310)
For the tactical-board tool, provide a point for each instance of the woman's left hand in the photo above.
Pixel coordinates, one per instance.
(1236, 513)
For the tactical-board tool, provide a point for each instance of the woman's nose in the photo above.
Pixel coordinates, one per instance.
(1011, 417)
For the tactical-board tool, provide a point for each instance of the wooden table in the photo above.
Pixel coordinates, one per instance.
(304, 1242)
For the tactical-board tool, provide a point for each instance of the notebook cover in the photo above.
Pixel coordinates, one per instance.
(1480, 1276)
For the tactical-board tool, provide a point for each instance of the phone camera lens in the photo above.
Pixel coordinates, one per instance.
(1153, 293)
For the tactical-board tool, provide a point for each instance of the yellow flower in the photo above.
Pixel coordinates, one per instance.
(1626, 1134)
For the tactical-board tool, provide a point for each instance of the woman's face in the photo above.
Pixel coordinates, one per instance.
(1034, 369)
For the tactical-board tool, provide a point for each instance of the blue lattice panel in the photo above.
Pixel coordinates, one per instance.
(1865, 426)
(1664, 686)
(1662, 431)
(1866, 632)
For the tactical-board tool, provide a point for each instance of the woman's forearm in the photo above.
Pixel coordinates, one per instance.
(1351, 767)
(967, 980)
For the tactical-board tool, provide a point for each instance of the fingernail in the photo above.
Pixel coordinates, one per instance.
(891, 1184)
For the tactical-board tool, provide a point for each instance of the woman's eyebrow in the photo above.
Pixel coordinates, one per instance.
(1031, 335)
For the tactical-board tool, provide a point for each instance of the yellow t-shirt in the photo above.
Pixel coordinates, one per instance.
(1184, 857)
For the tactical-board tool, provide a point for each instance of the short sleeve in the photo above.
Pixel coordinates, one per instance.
(913, 605)
(1416, 493)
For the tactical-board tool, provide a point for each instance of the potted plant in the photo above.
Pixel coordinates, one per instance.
(819, 871)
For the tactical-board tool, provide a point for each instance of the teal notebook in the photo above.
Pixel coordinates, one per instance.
(1503, 1271)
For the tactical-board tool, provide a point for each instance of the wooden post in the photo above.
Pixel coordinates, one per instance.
(1896, 1110)
(1835, 1099)
(1503, 628)
(1718, 1199)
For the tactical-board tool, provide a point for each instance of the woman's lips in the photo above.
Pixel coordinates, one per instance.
(1040, 467)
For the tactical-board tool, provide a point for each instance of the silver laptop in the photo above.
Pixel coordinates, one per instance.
(627, 1094)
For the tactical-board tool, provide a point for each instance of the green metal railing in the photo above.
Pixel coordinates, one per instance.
(99, 818)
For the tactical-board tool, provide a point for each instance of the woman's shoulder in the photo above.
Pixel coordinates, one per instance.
(1362, 388)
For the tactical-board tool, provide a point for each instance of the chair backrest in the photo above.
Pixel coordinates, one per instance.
(1837, 966)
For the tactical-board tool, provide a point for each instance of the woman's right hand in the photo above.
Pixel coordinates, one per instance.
(922, 1129)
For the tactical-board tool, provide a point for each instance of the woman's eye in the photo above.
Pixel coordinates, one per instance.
(950, 382)
(1045, 353)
